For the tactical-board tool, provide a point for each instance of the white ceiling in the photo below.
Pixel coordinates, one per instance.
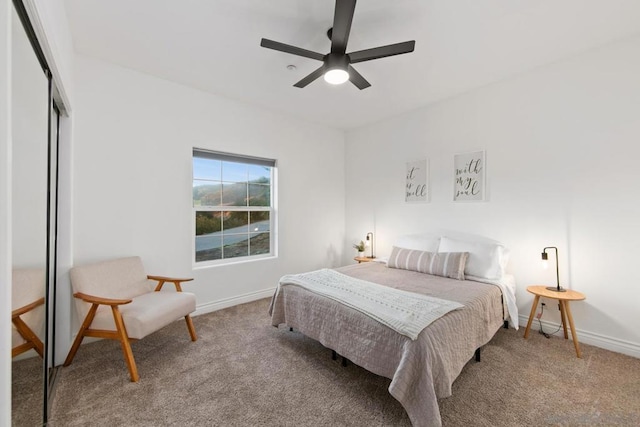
(214, 45)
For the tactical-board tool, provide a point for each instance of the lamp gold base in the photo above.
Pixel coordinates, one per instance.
(555, 289)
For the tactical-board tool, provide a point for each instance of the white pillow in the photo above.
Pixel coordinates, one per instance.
(419, 242)
(486, 259)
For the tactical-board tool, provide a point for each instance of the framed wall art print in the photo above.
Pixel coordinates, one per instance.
(417, 182)
(469, 177)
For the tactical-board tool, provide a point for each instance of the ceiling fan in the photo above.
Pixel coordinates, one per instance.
(336, 65)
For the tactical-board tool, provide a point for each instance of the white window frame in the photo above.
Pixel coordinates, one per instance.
(216, 155)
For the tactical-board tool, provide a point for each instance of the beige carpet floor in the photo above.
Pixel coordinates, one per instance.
(26, 392)
(244, 372)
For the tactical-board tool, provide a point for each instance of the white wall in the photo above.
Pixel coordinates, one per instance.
(133, 139)
(562, 149)
(5, 211)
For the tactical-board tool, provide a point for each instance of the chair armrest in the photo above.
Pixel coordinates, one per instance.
(161, 281)
(22, 310)
(99, 300)
(168, 279)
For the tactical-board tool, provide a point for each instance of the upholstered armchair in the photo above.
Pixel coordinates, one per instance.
(117, 300)
(27, 315)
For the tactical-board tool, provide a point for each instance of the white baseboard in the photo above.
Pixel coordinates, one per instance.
(206, 308)
(591, 338)
(26, 355)
(230, 302)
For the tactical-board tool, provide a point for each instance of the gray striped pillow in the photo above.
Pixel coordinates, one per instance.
(446, 264)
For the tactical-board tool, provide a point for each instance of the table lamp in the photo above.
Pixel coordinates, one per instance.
(369, 243)
(545, 258)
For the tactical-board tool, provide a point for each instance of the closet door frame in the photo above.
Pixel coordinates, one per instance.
(53, 122)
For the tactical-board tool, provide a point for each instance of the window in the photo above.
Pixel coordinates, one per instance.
(232, 206)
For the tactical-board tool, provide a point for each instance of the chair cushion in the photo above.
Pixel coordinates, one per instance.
(122, 278)
(147, 313)
(28, 286)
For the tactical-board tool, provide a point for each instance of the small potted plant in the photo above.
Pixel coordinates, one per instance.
(360, 248)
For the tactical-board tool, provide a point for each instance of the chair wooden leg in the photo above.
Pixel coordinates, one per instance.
(21, 349)
(126, 346)
(81, 334)
(192, 329)
(32, 339)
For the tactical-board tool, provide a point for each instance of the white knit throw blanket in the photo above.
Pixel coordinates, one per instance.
(405, 312)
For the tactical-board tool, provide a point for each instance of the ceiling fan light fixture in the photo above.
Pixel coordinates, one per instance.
(336, 76)
(336, 65)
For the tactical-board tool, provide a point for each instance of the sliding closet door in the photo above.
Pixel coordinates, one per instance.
(30, 128)
(35, 125)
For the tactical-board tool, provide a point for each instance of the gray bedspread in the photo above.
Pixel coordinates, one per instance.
(422, 370)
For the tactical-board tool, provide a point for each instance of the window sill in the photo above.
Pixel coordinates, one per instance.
(231, 261)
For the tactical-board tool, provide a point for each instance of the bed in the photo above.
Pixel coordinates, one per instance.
(421, 370)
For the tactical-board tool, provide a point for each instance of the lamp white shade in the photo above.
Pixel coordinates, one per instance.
(336, 76)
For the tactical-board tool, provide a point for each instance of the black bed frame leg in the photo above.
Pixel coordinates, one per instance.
(290, 329)
(506, 324)
(478, 355)
(334, 356)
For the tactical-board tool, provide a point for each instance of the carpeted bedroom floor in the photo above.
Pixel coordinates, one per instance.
(244, 372)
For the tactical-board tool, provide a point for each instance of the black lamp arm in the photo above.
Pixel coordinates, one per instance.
(371, 234)
(544, 257)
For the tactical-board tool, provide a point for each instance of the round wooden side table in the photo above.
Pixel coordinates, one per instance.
(565, 312)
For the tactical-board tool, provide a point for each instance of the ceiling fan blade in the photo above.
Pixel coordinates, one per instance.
(382, 51)
(311, 77)
(357, 79)
(342, 25)
(293, 50)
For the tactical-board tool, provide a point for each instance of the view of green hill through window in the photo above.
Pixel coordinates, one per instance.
(232, 205)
